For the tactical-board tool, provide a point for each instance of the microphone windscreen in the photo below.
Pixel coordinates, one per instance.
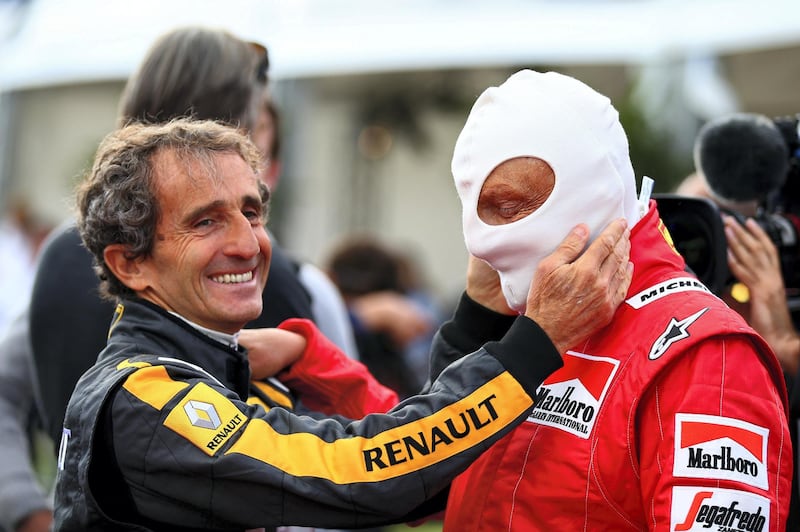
(743, 156)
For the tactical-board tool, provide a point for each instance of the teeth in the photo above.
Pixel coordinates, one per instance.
(233, 278)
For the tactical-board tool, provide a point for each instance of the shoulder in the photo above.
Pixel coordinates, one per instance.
(672, 316)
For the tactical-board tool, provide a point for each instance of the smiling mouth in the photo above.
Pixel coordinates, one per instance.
(233, 278)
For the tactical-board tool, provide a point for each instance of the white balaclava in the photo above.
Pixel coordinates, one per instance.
(575, 130)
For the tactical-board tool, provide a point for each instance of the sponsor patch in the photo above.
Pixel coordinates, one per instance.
(665, 288)
(206, 418)
(397, 451)
(676, 330)
(696, 508)
(571, 397)
(721, 448)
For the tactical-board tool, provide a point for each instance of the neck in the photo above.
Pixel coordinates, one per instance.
(230, 340)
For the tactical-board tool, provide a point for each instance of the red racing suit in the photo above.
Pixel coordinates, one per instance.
(672, 418)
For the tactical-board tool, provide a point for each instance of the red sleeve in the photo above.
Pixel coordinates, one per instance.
(328, 381)
(714, 443)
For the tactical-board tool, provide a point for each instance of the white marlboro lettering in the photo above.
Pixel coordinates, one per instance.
(570, 398)
(720, 448)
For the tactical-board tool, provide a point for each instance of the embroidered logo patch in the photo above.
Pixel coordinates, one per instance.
(571, 397)
(206, 418)
(719, 448)
(675, 331)
(696, 508)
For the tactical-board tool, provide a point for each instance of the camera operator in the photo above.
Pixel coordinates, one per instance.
(747, 164)
(753, 259)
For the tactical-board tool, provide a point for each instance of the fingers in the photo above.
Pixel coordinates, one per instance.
(750, 239)
(613, 249)
(751, 253)
(572, 300)
(571, 247)
(271, 350)
(619, 282)
(607, 245)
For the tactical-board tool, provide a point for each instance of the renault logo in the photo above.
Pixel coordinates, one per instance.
(202, 415)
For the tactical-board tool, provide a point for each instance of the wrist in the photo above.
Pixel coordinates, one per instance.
(473, 325)
(788, 353)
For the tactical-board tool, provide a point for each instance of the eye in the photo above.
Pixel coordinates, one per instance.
(507, 210)
(254, 215)
(205, 222)
(500, 209)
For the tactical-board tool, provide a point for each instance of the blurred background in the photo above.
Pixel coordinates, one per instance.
(373, 95)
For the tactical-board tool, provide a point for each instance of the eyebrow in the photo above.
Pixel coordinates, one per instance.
(248, 200)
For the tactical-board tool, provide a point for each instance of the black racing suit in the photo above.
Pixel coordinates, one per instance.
(159, 436)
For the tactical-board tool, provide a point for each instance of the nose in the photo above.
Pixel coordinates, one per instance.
(242, 239)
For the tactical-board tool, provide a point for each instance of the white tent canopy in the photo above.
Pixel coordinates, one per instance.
(84, 40)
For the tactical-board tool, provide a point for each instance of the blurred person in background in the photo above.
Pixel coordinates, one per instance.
(392, 318)
(637, 430)
(21, 235)
(24, 505)
(327, 305)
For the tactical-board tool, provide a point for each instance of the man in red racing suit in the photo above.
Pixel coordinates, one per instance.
(671, 418)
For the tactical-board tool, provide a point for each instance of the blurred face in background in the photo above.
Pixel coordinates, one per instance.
(264, 136)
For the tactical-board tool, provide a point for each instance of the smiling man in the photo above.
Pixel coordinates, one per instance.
(166, 431)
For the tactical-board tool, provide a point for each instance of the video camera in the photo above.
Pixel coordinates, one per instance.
(744, 158)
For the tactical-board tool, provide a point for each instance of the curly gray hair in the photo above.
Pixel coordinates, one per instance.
(117, 201)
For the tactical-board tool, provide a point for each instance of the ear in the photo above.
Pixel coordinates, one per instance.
(272, 174)
(124, 268)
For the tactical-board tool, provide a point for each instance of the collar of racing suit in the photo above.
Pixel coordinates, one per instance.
(652, 250)
(146, 326)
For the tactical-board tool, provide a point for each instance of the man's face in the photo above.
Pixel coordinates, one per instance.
(211, 254)
(515, 189)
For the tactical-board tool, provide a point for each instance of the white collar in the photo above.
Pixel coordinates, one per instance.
(231, 340)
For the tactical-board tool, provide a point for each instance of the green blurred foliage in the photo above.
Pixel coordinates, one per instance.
(653, 151)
